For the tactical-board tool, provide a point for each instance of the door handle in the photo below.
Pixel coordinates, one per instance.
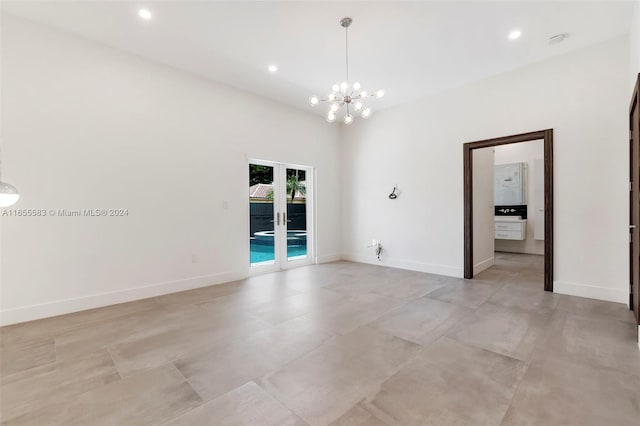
(632, 226)
(278, 219)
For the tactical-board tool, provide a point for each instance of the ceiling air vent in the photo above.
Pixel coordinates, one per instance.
(558, 38)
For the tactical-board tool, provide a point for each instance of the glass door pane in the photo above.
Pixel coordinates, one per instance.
(296, 219)
(262, 236)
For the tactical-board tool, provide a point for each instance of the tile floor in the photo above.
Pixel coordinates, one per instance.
(340, 343)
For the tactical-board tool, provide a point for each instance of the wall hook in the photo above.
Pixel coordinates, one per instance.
(393, 194)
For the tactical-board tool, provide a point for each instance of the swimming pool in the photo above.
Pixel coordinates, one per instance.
(263, 250)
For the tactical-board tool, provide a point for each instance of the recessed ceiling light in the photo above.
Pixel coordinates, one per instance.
(273, 68)
(515, 34)
(144, 14)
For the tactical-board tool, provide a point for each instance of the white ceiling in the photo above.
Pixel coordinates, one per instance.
(410, 49)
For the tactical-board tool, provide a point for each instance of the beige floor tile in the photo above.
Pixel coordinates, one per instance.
(322, 340)
(280, 310)
(526, 270)
(107, 333)
(200, 295)
(152, 397)
(213, 373)
(246, 302)
(410, 287)
(247, 405)
(507, 331)
(519, 261)
(46, 328)
(468, 293)
(356, 285)
(24, 355)
(421, 321)
(533, 280)
(324, 384)
(449, 383)
(358, 416)
(495, 274)
(203, 332)
(271, 286)
(527, 298)
(592, 307)
(310, 278)
(597, 340)
(353, 312)
(57, 383)
(568, 392)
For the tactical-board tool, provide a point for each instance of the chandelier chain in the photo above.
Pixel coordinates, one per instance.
(346, 37)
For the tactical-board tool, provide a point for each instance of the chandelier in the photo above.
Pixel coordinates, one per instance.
(8, 194)
(349, 98)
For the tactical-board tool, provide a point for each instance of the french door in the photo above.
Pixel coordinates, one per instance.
(280, 216)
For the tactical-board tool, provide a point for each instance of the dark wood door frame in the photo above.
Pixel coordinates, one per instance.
(547, 136)
(634, 201)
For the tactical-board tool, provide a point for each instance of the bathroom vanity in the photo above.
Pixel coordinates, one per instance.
(510, 228)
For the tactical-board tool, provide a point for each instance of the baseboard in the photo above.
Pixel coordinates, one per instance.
(329, 258)
(66, 306)
(451, 271)
(485, 264)
(592, 292)
(519, 251)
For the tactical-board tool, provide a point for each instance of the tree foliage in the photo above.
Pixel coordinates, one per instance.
(260, 174)
(294, 185)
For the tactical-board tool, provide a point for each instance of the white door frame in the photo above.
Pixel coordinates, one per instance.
(280, 207)
(309, 176)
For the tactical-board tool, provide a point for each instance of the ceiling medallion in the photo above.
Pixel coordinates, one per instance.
(346, 97)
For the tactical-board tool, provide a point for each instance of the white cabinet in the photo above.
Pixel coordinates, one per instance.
(506, 228)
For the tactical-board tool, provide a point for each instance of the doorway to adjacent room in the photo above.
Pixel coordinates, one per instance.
(546, 199)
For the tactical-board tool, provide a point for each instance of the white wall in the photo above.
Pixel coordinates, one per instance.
(523, 152)
(483, 211)
(87, 126)
(634, 46)
(583, 96)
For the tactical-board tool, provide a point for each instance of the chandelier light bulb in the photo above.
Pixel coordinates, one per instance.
(313, 100)
(366, 113)
(336, 87)
(356, 86)
(334, 107)
(363, 94)
(379, 93)
(348, 119)
(344, 86)
(331, 117)
(332, 97)
(358, 105)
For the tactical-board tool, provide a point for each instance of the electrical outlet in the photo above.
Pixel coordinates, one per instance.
(194, 258)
